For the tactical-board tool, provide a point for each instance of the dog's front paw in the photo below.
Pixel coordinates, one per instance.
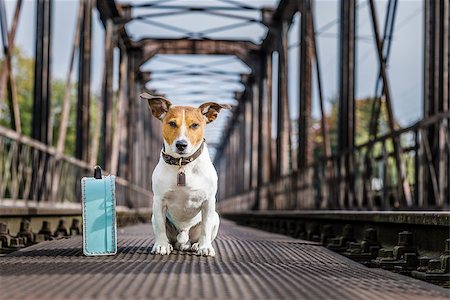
(194, 247)
(206, 251)
(162, 248)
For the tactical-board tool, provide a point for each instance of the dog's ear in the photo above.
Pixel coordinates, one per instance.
(158, 105)
(210, 110)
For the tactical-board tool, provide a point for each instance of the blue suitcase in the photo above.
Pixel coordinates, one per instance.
(99, 214)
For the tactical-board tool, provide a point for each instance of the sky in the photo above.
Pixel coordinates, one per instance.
(404, 66)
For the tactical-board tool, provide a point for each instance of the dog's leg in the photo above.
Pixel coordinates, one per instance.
(162, 245)
(208, 220)
(215, 229)
(216, 223)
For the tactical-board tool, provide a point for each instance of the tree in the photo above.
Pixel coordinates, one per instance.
(23, 68)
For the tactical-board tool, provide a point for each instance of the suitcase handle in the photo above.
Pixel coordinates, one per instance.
(97, 172)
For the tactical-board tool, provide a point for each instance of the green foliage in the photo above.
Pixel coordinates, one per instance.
(363, 111)
(23, 68)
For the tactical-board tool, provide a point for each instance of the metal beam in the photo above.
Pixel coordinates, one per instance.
(7, 77)
(151, 47)
(436, 100)
(283, 120)
(41, 105)
(84, 83)
(264, 130)
(285, 11)
(403, 186)
(107, 95)
(346, 119)
(304, 156)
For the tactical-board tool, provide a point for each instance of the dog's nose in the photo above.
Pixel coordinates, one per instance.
(181, 145)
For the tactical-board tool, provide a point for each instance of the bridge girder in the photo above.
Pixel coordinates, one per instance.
(152, 47)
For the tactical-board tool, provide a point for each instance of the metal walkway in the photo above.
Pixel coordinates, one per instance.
(249, 264)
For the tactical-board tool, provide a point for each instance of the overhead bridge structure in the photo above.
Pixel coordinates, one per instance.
(348, 177)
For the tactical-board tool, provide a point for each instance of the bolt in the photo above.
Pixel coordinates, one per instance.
(411, 260)
(24, 225)
(16, 243)
(3, 228)
(354, 247)
(434, 265)
(45, 228)
(75, 227)
(405, 238)
(61, 230)
(40, 238)
(386, 253)
(423, 263)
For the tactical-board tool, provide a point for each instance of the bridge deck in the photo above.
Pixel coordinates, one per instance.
(249, 264)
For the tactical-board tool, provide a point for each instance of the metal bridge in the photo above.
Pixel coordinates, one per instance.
(381, 202)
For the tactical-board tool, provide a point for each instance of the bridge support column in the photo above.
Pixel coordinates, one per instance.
(346, 129)
(84, 83)
(255, 125)
(264, 131)
(107, 95)
(40, 129)
(435, 184)
(283, 166)
(247, 150)
(42, 100)
(304, 149)
(304, 125)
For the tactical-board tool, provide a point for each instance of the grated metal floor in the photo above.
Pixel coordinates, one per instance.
(249, 264)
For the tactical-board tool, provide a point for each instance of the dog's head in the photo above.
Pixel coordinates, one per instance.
(183, 127)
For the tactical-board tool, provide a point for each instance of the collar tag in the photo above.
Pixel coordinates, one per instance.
(181, 177)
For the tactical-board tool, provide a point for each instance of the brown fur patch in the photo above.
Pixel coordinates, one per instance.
(191, 116)
(211, 110)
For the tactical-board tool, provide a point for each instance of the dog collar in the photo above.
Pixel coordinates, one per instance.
(181, 161)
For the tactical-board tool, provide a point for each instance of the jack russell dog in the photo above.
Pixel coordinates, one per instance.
(184, 181)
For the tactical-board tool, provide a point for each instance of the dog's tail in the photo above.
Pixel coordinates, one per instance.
(183, 237)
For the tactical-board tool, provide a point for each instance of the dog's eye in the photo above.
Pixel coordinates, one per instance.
(172, 124)
(194, 126)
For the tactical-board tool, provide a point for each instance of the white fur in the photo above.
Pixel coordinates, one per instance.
(185, 206)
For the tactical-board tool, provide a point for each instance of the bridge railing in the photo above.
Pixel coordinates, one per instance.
(373, 183)
(32, 173)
